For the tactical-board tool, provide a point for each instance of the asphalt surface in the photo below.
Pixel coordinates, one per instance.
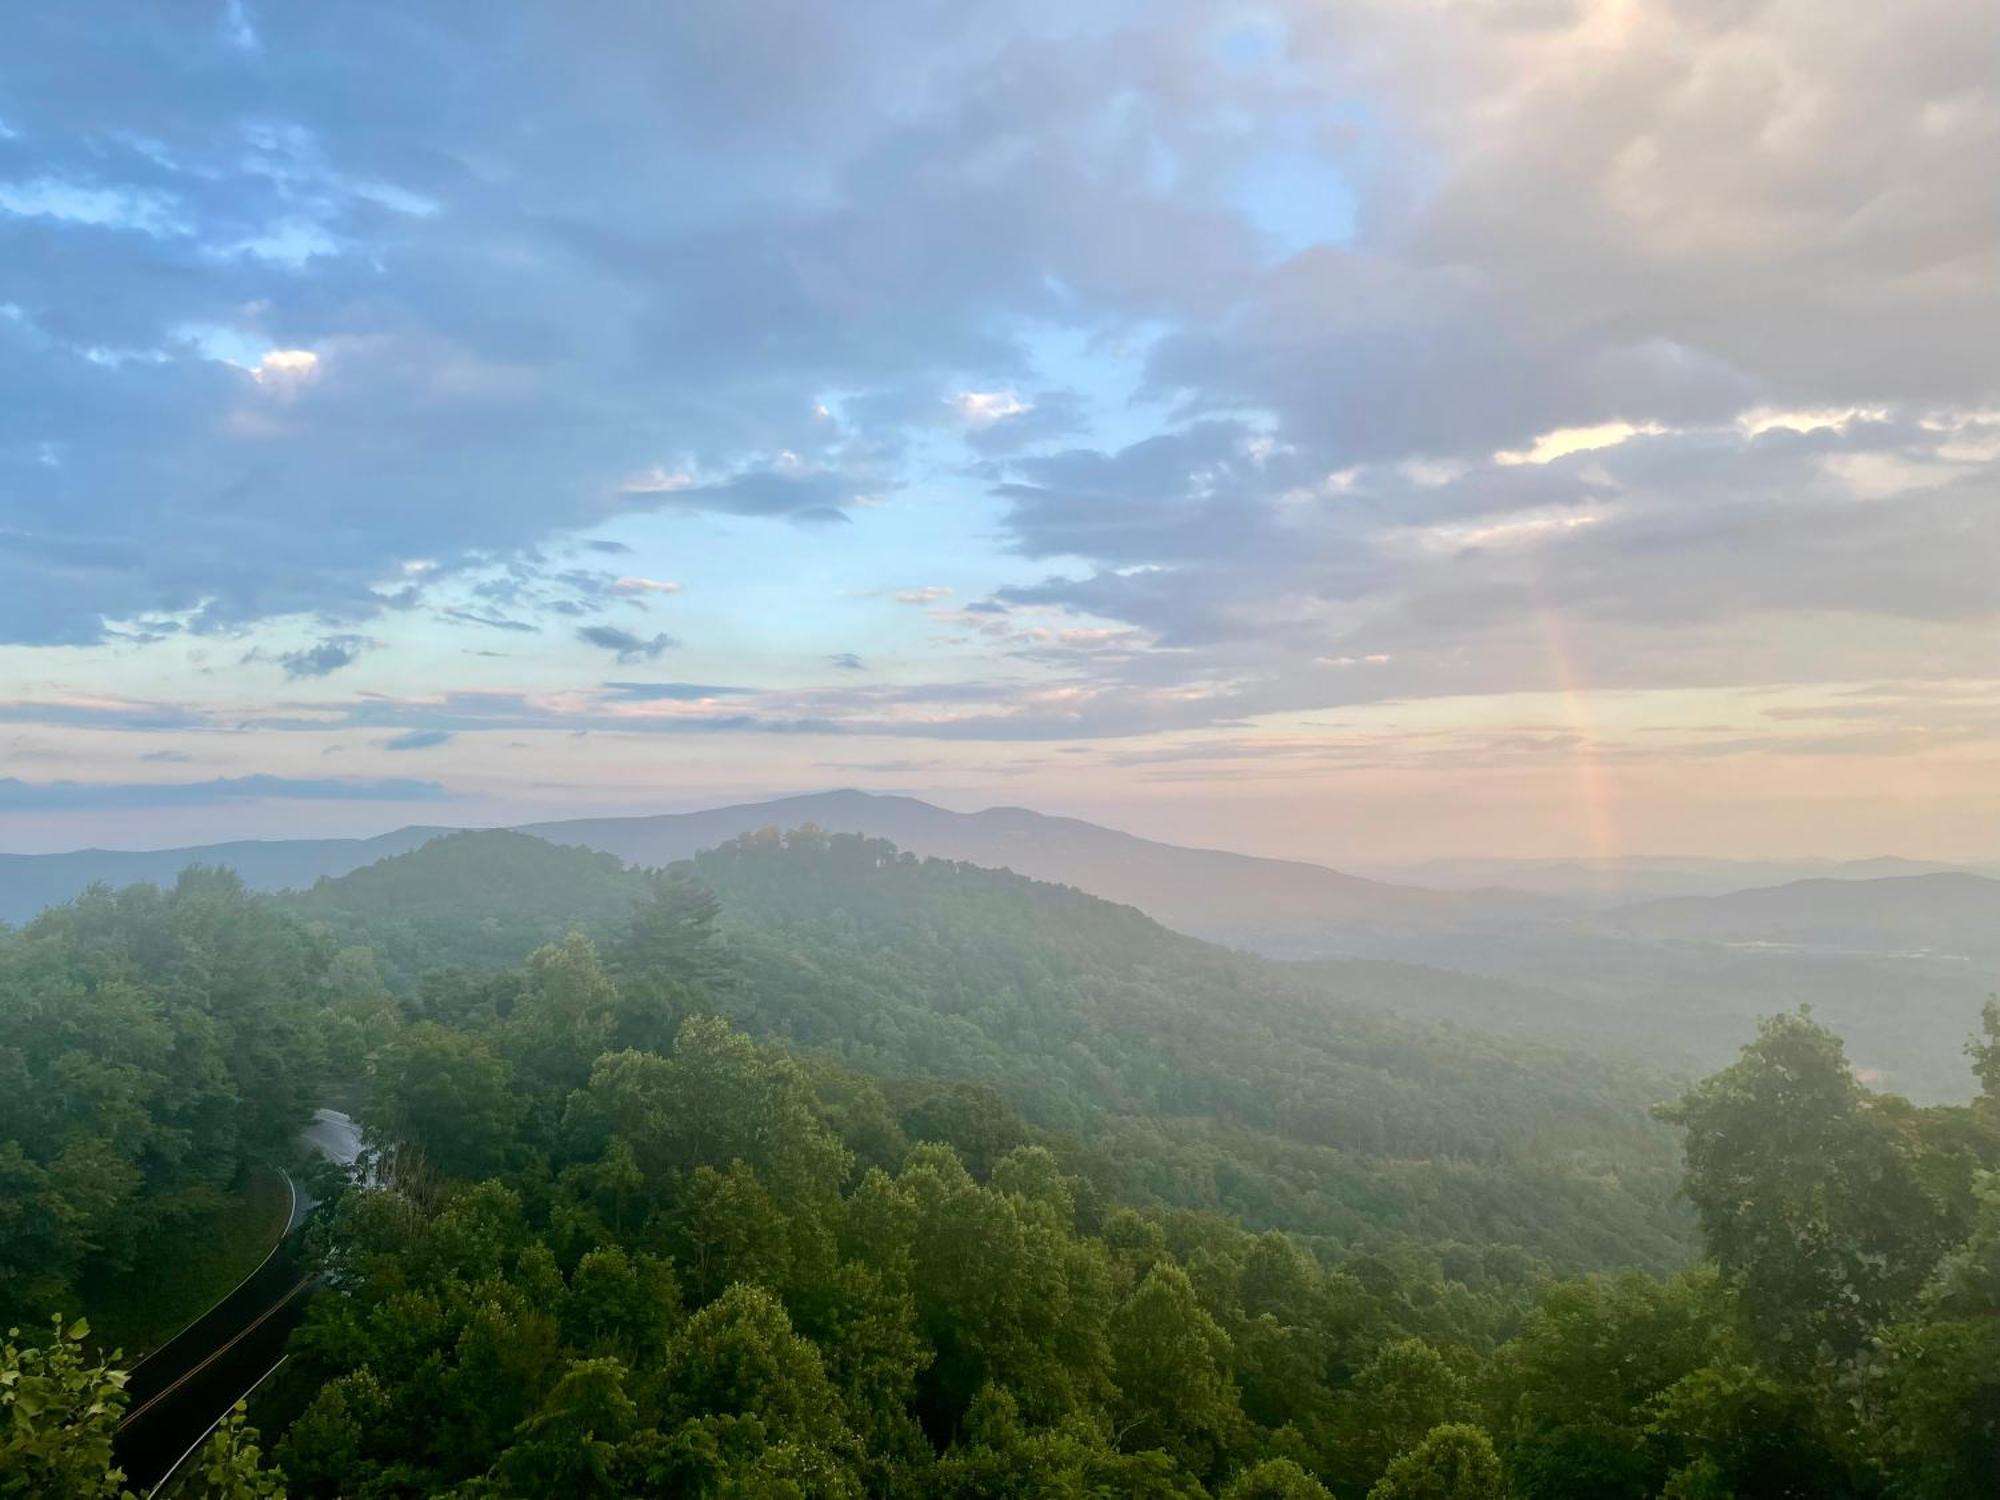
(181, 1390)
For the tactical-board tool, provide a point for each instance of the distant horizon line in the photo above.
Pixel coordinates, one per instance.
(1975, 865)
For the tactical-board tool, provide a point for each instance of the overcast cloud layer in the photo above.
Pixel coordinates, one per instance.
(1188, 392)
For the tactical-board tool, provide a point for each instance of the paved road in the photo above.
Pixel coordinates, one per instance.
(333, 1136)
(183, 1388)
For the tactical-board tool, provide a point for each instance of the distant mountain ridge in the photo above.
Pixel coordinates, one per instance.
(29, 883)
(1900, 965)
(1949, 914)
(1281, 908)
(1276, 906)
(1622, 880)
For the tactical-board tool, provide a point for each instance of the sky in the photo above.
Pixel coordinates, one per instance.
(1354, 431)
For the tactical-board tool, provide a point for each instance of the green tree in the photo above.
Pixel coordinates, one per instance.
(1403, 1392)
(1743, 1429)
(566, 1016)
(1984, 1050)
(230, 1465)
(971, 1118)
(1942, 1376)
(1809, 1196)
(740, 1357)
(58, 1414)
(1275, 1479)
(152, 1044)
(1453, 1462)
(720, 1098)
(1576, 1386)
(1171, 1364)
(670, 936)
(999, 1458)
(449, 1094)
(570, 1446)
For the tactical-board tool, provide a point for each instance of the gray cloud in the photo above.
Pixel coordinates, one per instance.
(808, 498)
(418, 739)
(667, 692)
(324, 657)
(535, 306)
(78, 796)
(629, 647)
(489, 619)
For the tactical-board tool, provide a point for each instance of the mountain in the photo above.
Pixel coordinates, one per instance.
(1690, 1005)
(1277, 907)
(1199, 1075)
(29, 883)
(1949, 915)
(1281, 907)
(1630, 878)
(1900, 964)
(486, 898)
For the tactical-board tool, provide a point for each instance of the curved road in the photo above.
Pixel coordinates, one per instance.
(183, 1388)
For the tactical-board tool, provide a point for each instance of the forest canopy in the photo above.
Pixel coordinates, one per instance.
(824, 1171)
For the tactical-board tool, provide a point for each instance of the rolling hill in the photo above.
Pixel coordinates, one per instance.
(1274, 906)
(1281, 907)
(1948, 915)
(29, 883)
(1202, 1076)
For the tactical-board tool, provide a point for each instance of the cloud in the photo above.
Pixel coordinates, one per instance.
(271, 336)
(1046, 416)
(418, 739)
(929, 594)
(656, 480)
(784, 492)
(984, 408)
(670, 692)
(644, 586)
(102, 712)
(325, 657)
(79, 796)
(285, 368)
(490, 619)
(628, 646)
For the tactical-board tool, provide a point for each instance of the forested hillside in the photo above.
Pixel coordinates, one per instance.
(832, 1172)
(1952, 914)
(1693, 1004)
(153, 1046)
(1194, 1075)
(1207, 1078)
(1278, 906)
(482, 899)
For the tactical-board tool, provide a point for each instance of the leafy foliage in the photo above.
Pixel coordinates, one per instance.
(484, 899)
(58, 1412)
(873, 1176)
(1199, 1077)
(152, 1044)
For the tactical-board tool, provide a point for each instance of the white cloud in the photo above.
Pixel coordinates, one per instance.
(1882, 476)
(285, 368)
(984, 408)
(1564, 441)
(1766, 419)
(645, 586)
(657, 481)
(48, 197)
